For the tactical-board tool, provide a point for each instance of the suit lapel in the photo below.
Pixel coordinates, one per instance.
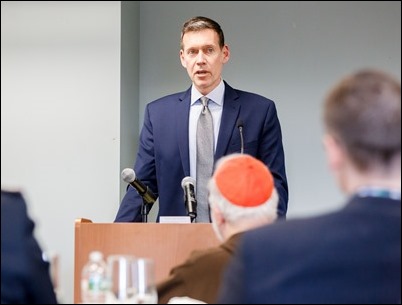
(183, 110)
(230, 112)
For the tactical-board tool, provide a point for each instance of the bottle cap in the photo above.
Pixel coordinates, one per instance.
(96, 256)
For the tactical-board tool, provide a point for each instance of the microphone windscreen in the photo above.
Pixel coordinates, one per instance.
(187, 180)
(128, 175)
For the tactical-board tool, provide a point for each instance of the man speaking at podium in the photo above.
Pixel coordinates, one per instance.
(185, 133)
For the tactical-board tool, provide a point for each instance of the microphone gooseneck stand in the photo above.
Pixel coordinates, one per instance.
(145, 208)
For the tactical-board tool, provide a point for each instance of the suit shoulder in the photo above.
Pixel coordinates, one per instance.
(166, 99)
(215, 254)
(234, 93)
(296, 230)
(13, 192)
(13, 210)
(12, 197)
(254, 97)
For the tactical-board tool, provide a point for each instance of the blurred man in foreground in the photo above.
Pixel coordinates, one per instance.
(25, 277)
(351, 256)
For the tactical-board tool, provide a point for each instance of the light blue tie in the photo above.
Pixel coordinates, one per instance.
(205, 160)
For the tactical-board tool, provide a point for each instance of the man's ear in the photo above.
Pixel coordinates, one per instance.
(334, 152)
(226, 54)
(183, 62)
(218, 217)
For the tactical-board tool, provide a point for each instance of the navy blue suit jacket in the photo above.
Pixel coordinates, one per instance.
(351, 256)
(163, 156)
(25, 277)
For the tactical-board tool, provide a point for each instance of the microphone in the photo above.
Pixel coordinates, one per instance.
(189, 197)
(240, 126)
(128, 176)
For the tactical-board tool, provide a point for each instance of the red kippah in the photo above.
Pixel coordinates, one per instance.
(244, 181)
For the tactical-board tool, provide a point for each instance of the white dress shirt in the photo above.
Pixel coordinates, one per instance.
(215, 106)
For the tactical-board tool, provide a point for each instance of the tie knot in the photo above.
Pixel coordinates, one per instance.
(204, 101)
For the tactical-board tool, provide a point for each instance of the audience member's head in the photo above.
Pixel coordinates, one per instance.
(242, 195)
(362, 117)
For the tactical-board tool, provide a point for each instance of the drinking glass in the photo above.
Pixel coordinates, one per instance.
(121, 279)
(145, 282)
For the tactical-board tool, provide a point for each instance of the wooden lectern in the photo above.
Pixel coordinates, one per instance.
(167, 244)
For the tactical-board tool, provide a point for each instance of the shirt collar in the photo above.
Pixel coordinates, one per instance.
(215, 95)
(373, 191)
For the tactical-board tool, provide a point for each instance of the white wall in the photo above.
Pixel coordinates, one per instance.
(129, 111)
(60, 116)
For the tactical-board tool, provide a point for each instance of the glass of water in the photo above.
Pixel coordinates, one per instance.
(122, 270)
(145, 288)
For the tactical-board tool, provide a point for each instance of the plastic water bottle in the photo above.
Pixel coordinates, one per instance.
(94, 280)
